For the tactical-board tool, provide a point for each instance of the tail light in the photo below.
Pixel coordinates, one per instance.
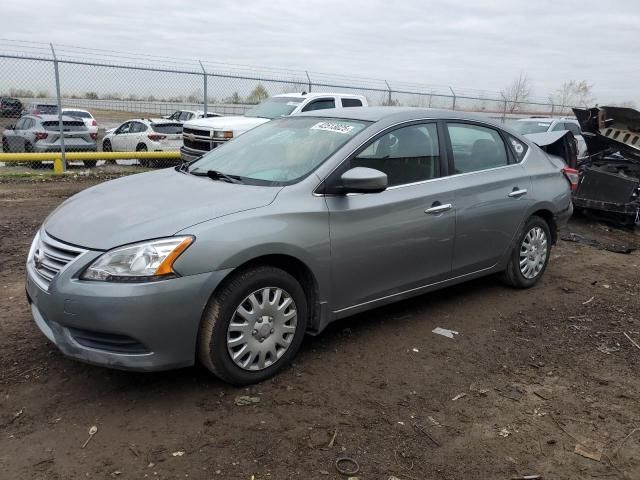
(572, 176)
(94, 135)
(155, 137)
(41, 135)
(36, 112)
(94, 123)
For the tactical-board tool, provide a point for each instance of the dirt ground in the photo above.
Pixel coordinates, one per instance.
(531, 375)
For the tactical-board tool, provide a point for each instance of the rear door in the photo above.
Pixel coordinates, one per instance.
(491, 195)
(136, 136)
(13, 138)
(386, 243)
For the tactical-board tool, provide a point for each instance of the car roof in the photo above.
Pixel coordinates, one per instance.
(317, 94)
(72, 109)
(52, 117)
(400, 114)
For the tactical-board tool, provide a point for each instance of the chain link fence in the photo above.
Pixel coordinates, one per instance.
(115, 87)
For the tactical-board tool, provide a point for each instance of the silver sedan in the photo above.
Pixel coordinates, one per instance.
(300, 222)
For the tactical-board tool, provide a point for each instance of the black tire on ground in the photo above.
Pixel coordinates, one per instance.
(513, 274)
(106, 146)
(28, 148)
(5, 146)
(212, 337)
(145, 162)
(90, 163)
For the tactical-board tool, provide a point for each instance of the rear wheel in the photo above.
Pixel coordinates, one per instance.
(90, 163)
(253, 325)
(5, 145)
(106, 146)
(530, 256)
(145, 162)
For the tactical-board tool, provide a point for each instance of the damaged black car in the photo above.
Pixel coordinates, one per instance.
(609, 178)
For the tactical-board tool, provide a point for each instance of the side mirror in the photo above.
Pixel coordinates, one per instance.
(363, 180)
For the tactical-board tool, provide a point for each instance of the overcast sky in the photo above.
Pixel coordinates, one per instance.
(467, 44)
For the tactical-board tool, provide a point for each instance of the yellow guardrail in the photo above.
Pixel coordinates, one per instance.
(56, 157)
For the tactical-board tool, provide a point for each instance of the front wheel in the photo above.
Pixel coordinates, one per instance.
(530, 256)
(90, 163)
(253, 326)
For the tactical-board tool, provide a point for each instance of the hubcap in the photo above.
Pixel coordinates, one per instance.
(262, 328)
(533, 252)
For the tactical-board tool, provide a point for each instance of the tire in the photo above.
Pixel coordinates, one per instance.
(534, 235)
(221, 314)
(106, 146)
(5, 146)
(28, 148)
(146, 163)
(90, 163)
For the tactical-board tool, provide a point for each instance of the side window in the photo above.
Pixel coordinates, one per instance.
(124, 128)
(476, 148)
(408, 154)
(137, 127)
(320, 104)
(29, 123)
(573, 128)
(351, 102)
(519, 148)
(20, 124)
(558, 126)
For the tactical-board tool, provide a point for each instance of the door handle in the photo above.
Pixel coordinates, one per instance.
(438, 208)
(517, 193)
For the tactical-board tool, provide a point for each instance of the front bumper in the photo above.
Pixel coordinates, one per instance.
(138, 326)
(189, 154)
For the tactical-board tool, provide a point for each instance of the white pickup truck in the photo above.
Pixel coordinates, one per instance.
(204, 134)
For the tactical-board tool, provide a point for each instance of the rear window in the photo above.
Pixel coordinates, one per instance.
(526, 127)
(47, 109)
(351, 102)
(167, 128)
(76, 113)
(67, 126)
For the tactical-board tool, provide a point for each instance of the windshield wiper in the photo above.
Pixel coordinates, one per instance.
(216, 175)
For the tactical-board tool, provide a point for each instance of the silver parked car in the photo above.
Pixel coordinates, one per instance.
(293, 225)
(41, 133)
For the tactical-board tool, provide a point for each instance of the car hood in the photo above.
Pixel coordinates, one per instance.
(149, 205)
(226, 123)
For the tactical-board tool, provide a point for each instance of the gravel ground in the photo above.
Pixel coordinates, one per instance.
(532, 378)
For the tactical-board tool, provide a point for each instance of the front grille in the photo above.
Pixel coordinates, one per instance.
(200, 133)
(51, 257)
(205, 146)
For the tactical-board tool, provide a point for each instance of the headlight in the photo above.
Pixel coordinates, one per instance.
(138, 262)
(34, 246)
(222, 134)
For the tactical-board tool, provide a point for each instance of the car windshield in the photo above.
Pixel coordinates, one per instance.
(77, 113)
(280, 152)
(168, 128)
(530, 127)
(274, 107)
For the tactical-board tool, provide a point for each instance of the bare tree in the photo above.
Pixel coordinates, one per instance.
(516, 92)
(573, 94)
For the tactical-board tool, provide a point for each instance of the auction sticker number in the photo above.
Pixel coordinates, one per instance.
(333, 127)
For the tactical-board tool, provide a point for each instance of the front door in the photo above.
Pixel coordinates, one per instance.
(400, 239)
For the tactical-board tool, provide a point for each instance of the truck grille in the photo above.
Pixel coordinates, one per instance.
(200, 133)
(204, 145)
(51, 257)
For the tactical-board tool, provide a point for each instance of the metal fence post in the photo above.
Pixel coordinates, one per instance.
(206, 98)
(552, 105)
(308, 80)
(454, 98)
(389, 90)
(58, 96)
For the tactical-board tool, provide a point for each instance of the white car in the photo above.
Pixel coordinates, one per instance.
(186, 115)
(203, 135)
(144, 135)
(86, 117)
(526, 126)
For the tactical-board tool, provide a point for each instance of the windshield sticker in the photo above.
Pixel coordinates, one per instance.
(519, 148)
(333, 127)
